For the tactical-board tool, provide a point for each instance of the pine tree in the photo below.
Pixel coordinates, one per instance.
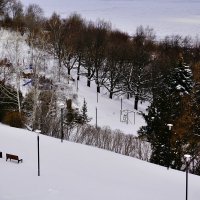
(196, 100)
(166, 109)
(83, 116)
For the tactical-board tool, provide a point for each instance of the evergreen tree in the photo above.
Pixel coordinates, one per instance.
(196, 100)
(165, 109)
(84, 117)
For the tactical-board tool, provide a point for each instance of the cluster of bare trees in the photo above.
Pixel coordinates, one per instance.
(114, 141)
(15, 16)
(107, 139)
(123, 64)
(109, 57)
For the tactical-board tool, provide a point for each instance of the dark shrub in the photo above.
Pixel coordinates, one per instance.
(14, 119)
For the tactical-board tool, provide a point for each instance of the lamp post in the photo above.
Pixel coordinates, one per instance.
(77, 83)
(96, 117)
(61, 105)
(38, 149)
(187, 161)
(170, 126)
(169, 145)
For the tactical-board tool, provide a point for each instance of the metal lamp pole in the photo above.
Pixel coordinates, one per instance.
(61, 128)
(61, 121)
(77, 83)
(38, 149)
(187, 159)
(169, 145)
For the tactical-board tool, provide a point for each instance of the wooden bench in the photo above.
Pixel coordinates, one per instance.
(13, 157)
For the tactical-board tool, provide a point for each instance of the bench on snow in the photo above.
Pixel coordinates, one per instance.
(13, 157)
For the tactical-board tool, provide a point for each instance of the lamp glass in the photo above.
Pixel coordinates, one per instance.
(187, 157)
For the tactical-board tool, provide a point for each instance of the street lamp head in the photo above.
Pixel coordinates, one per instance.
(187, 157)
(38, 131)
(61, 104)
(170, 126)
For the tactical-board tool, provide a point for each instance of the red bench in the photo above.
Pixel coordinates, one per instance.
(13, 157)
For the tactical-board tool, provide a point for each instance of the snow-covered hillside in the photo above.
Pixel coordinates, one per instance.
(108, 110)
(78, 172)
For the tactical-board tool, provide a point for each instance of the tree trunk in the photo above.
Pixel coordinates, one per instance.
(111, 94)
(88, 82)
(68, 71)
(98, 89)
(59, 69)
(128, 95)
(88, 75)
(136, 102)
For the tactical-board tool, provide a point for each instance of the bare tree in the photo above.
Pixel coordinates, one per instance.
(3, 6)
(116, 61)
(94, 51)
(55, 40)
(137, 76)
(73, 29)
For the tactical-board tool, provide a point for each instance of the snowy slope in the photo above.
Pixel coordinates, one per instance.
(77, 172)
(108, 110)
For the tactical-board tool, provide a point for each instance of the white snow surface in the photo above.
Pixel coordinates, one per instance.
(108, 110)
(166, 17)
(79, 172)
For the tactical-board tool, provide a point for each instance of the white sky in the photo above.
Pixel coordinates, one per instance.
(165, 16)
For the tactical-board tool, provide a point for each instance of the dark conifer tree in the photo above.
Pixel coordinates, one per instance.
(84, 117)
(165, 109)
